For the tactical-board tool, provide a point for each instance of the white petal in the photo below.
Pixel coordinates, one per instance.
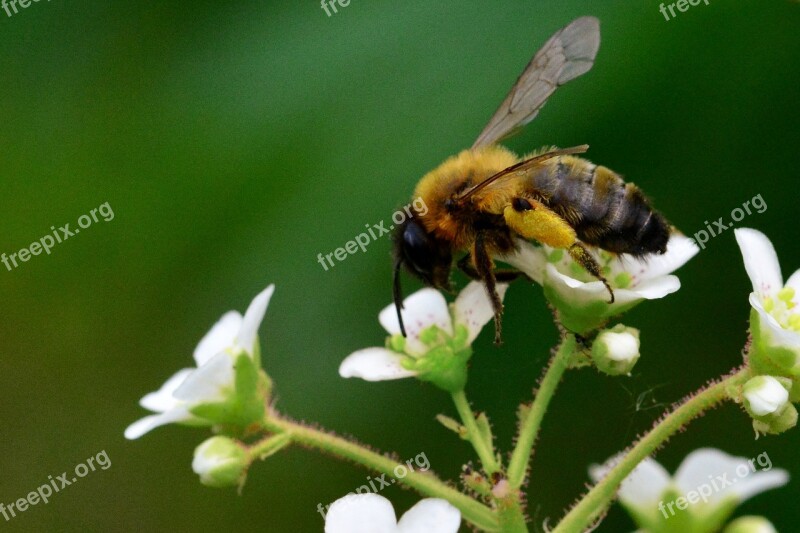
(765, 395)
(473, 308)
(572, 290)
(770, 327)
(424, 308)
(528, 258)
(621, 347)
(758, 482)
(142, 426)
(212, 382)
(655, 288)
(252, 319)
(163, 399)
(643, 487)
(700, 467)
(706, 464)
(221, 337)
(431, 515)
(760, 260)
(361, 513)
(679, 250)
(374, 364)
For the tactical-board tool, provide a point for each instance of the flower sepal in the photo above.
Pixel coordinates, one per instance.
(776, 423)
(243, 404)
(445, 364)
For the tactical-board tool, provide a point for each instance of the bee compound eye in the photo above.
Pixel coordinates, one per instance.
(418, 248)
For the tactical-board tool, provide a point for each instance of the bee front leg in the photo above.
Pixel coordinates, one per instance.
(533, 220)
(485, 270)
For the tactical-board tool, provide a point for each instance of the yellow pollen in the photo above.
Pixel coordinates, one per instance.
(786, 294)
(794, 321)
(769, 304)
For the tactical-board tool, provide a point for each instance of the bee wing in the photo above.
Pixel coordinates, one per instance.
(568, 54)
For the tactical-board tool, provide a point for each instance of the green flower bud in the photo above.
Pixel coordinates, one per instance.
(220, 462)
(750, 524)
(616, 350)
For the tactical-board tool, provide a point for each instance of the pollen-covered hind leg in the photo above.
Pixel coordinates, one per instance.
(531, 219)
(582, 256)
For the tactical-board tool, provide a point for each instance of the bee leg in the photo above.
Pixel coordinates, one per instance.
(533, 220)
(582, 256)
(502, 275)
(485, 269)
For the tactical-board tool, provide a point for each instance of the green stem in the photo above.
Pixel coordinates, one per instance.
(529, 428)
(484, 449)
(425, 483)
(592, 505)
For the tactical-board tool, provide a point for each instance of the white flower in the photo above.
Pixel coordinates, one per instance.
(220, 462)
(765, 395)
(213, 381)
(370, 513)
(430, 324)
(705, 489)
(574, 291)
(777, 331)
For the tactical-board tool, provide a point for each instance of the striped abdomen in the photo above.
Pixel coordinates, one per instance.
(605, 211)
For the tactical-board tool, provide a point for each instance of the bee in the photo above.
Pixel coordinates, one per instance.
(481, 201)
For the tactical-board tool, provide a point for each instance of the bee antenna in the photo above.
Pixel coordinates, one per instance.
(398, 295)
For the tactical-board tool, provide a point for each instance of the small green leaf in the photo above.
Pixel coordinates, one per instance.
(485, 430)
(453, 425)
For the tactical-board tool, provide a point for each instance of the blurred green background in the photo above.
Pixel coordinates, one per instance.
(236, 141)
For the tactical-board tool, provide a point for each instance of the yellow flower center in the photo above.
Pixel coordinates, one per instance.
(781, 308)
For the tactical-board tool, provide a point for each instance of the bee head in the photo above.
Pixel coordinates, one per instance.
(424, 256)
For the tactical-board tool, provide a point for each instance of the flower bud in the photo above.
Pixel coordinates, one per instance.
(220, 462)
(750, 524)
(616, 350)
(765, 395)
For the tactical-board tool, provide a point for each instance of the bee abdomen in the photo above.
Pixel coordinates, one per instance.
(604, 210)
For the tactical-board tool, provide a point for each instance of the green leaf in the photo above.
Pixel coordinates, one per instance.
(453, 425)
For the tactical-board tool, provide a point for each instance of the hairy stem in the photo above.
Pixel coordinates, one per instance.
(529, 427)
(484, 449)
(425, 483)
(595, 502)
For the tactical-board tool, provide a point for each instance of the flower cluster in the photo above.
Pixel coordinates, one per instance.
(228, 391)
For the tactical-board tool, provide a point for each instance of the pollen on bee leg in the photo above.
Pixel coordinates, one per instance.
(582, 256)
